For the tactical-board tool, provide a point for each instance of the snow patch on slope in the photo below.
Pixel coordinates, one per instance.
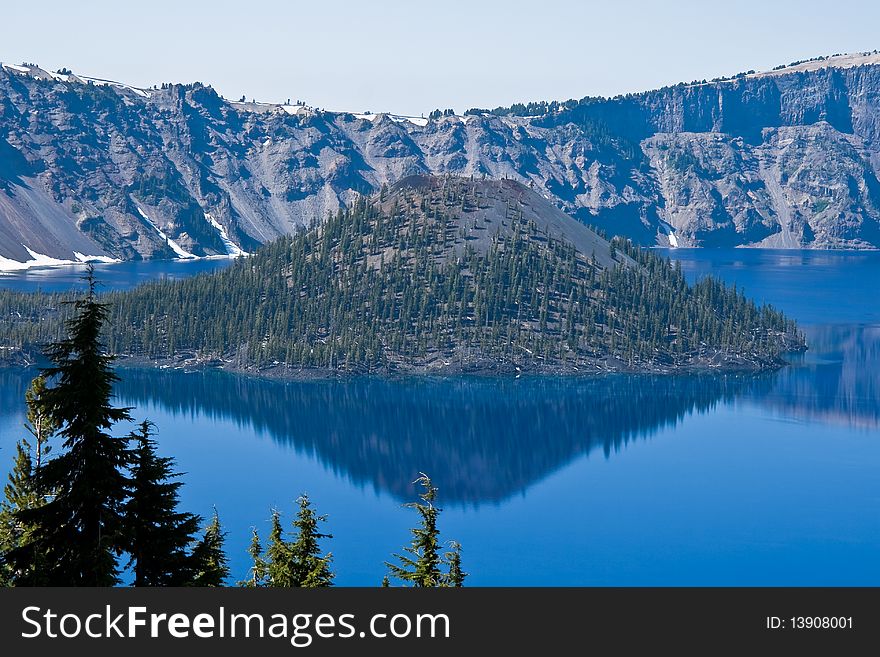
(849, 60)
(232, 249)
(181, 253)
(94, 258)
(397, 118)
(37, 260)
(143, 93)
(40, 74)
(296, 109)
(40, 260)
(415, 120)
(670, 234)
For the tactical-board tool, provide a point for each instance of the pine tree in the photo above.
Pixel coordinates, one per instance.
(78, 533)
(297, 563)
(210, 567)
(279, 558)
(158, 535)
(311, 568)
(23, 491)
(259, 571)
(40, 425)
(19, 494)
(421, 566)
(455, 576)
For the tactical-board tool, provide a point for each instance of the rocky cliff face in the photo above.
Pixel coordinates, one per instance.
(96, 169)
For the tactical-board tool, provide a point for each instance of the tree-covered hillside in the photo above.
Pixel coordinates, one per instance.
(436, 274)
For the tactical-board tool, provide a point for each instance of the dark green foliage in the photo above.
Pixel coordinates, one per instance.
(292, 563)
(453, 558)
(40, 425)
(437, 113)
(24, 492)
(19, 495)
(586, 116)
(158, 535)
(78, 533)
(311, 569)
(400, 284)
(210, 567)
(259, 571)
(422, 565)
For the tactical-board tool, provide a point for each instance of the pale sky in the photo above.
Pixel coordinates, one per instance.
(411, 57)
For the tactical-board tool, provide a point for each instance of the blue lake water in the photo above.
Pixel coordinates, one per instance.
(119, 276)
(617, 480)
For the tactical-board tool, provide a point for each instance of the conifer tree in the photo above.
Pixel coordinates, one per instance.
(19, 494)
(23, 491)
(279, 558)
(158, 535)
(421, 565)
(259, 571)
(78, 533)
(455, 576)
(297, 563)
(210, 566)
(40, 425)
(311, 568)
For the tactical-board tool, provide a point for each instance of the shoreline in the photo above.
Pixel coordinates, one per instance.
(36, 265)
(715, 364)
(25, 267)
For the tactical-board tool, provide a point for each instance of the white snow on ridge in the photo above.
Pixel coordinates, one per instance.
(416, 120)
(110, 83)
(232, 249)
(295, 109)
(849, 60)
(397, 118)
(40, 74)
(181, 253)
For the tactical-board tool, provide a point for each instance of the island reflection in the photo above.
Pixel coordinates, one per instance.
(487, 439)
(484, 439)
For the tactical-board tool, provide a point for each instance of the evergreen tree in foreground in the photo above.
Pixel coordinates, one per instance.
(78, 534)
(311, 569)
(422, 565)
(297, 563)
(19, 495)
(210, 565)
(259, 571)
(158, 534)
(40, 425)
(453, 557)
(23, 492)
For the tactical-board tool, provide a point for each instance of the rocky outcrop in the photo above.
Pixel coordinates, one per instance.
(96, 169)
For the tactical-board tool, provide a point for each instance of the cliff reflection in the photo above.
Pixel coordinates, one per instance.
(837, 381)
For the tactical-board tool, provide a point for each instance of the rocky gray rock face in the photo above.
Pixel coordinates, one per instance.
(96, 169)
